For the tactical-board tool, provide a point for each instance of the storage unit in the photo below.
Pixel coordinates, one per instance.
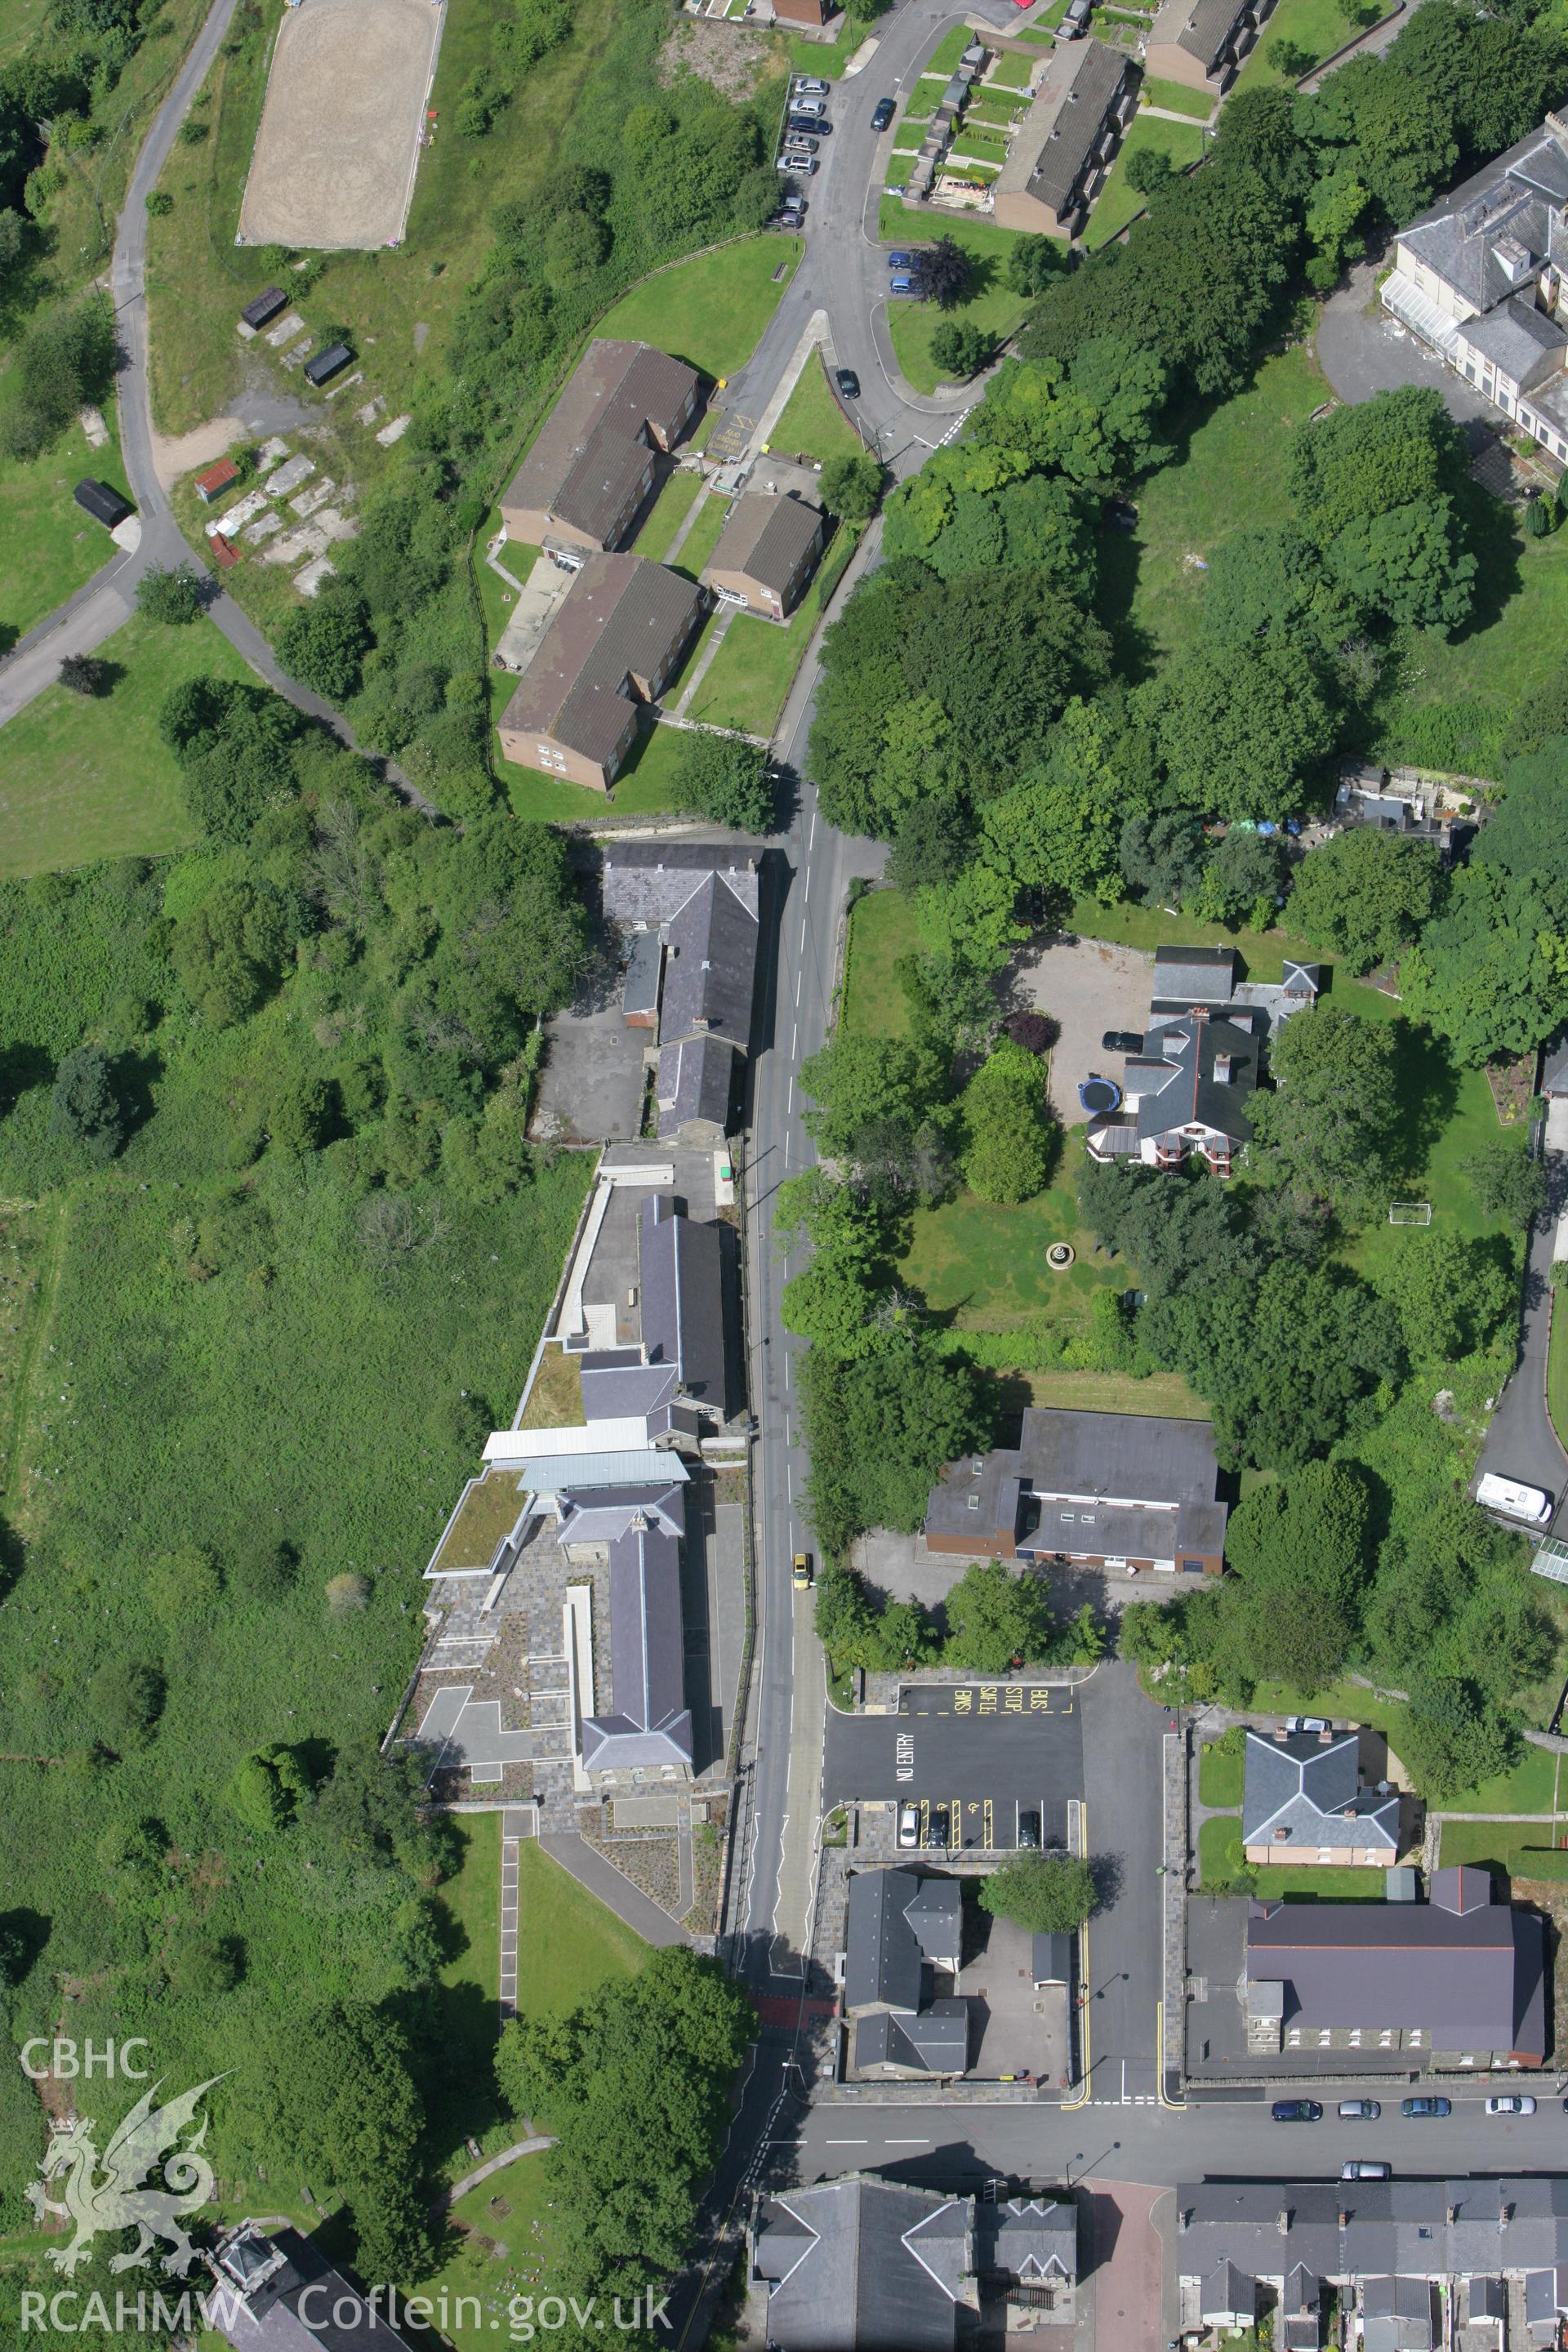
(265, 306)
(104, 505)
(327, 363)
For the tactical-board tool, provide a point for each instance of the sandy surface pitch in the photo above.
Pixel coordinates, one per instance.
(333, 165)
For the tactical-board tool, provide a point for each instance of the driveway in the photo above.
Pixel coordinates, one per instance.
(1088, 986)
(1362, 350)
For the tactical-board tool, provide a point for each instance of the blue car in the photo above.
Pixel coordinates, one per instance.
(1297, 2111)
(901, 261)
(901, 285)
(1426, 2107)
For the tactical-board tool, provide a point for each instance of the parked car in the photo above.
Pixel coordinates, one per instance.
(1297, 2111)
(813, 106)
(1122, 1041)
(811, 123)
(1418, 2107)
(1306, 1723)
(1365, 2168)
(937, 1824)
(1030, 1832)
(901, 261)
(807, 163)
(882, 114)
(793, 209)
(909, 1826)
(1359, 2111)
(900, 284)
(797, 143)
(800, 1574)
(1511, 2103)
(1075, 24)
(849, 382)
(809, 87)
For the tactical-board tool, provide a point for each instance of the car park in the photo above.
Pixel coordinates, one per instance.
(882, 114)
(1297, 2111)
(1360, 2111)
(1365, 2168)
(1511, 2103)
(849, 382)
(1030, 1832)
(909, 1826)
(1418, 2108)
(1122, 1041)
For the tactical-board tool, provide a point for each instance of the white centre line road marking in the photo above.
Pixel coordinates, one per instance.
(908, 2143)
(802, 935)
(848, 2143)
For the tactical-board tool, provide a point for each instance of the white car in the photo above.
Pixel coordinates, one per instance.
(1512, 2103)
(1514, 1499)
(1306, 1723)
(909, 1826)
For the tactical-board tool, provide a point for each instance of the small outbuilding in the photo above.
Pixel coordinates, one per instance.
(104, 505)
(265, 307)
(326, 363)
(216, 478)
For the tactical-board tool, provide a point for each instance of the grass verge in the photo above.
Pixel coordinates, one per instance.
(710, 311)
(813, 424)
(52, 548)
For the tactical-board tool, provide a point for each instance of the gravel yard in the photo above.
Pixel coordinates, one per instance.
(1088, 986)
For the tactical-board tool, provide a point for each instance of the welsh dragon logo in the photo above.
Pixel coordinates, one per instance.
(107, 2193)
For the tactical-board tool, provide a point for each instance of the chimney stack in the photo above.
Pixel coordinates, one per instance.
(1222, 1069)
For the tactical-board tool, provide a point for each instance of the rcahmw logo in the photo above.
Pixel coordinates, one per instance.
(114, 2192)
(68, 2312)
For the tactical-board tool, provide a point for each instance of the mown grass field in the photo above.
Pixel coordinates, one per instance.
(710, 311)
(1118, 202)
(813, 424)
(85, 777)
(990, 305)
(568, 1941)
(51, 547)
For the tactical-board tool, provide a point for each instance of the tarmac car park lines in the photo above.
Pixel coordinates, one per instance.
(985, 1750)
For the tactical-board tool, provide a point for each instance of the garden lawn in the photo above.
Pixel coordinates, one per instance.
(51, 547)
(1117, 200)
(85, 777)
(1177, 96)
(1326, 1882)
(645, 787)
(983, 1268)
(670, 508)
(1220, 1775)
(1317, 26)
(468, 1989)
(710, 311)
(1228, 474)
(704, 535)
(1220, 1854)
(883, 926)
(813, 423)
(568, 1942)
(1506, 1845)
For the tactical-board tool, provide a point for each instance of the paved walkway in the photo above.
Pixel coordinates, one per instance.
(617, 1894)
(517, 1822)
(495, 2164)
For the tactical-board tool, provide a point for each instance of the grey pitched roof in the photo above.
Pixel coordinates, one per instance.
(696, 1081)
(1033, 2238)
(1151, 1484)
(1228, 2293)
(259, 2282)
(897, 1920)
(1195, 975)
(1202, 29)
(1398, 2314)
(1306, 1786)
(622, 618)
(606, 1513)
(1513, 198)
(683, 1298)
(932, 2040)
(1058, 135)
(617, 1391)
(1410, 2228)
(1521, 340)
(1471, 1980)
(710, 965)
(1183, 1087)
(866, 2263)
(650, 881)
(650, 1723)
(765, 537)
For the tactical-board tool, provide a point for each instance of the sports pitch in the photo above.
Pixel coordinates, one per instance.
(335, 154)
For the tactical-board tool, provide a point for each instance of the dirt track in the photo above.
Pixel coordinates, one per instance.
(334, 166)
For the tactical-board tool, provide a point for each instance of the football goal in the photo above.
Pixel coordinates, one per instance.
(1410, 1212)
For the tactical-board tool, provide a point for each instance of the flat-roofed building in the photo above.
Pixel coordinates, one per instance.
(612, 646)
(591, 463)
(1102, 1490)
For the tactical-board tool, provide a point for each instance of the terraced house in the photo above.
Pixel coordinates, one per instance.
(617, 640)
(1203, 42)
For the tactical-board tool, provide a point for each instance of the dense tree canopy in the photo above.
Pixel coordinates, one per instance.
(1333, 1125)
(1366, 894)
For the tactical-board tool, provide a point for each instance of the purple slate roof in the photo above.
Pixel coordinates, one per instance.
(651, 1723)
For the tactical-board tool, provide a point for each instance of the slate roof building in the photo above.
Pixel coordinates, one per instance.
(690, 915)
(1083, 104)
(767, 552)
(1108, 1489)
(1480, 279)
(1201, 43)
(1302, 1802)
(900, 1926)
(865, 2265)
(615, 642)
(591, 463)
(1186, 1093)
(649, 1725)
(1459, 1982)
(686, 1281)
(104, 505)
(1389, 2248)
(279, 2293)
